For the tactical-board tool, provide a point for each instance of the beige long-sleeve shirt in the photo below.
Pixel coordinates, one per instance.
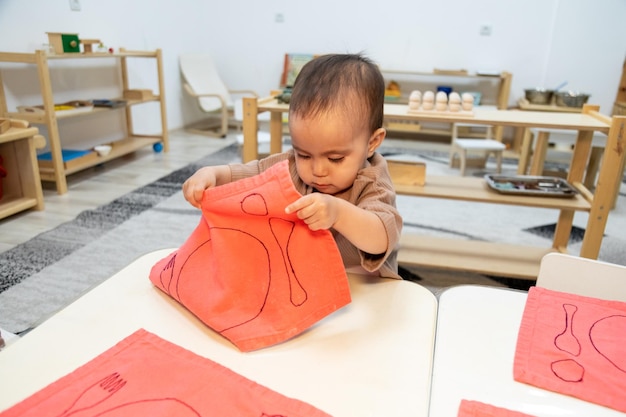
(372, 191)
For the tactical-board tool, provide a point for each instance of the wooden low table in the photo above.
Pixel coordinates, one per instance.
(372, 357)
(477, 328)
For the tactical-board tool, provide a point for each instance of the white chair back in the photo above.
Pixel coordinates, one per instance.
(200, 73)
(582, 276)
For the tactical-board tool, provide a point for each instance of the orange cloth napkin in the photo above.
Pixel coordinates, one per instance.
(144, 375)
(477, 409)
(251, 272)
(573, 345)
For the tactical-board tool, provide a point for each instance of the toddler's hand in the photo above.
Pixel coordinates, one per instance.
(194, 186)
(319, 211)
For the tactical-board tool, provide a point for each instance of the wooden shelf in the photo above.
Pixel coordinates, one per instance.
(501, 82)
(40, 118)
(21, 189)
(12, 205)
(118, 148)
(476, 190)
(494, 258)
(49, 117)
(488, 258)
(31, 58)
(476, 256)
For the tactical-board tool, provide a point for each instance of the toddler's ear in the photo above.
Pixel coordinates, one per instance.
(375, 140)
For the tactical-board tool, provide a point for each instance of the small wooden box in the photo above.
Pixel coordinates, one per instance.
(138, 94)
(407, 172)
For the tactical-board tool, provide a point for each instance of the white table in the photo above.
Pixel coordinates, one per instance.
(371, 358)
(477, 330)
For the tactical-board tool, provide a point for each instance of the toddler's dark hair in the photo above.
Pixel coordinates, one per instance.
(350, 82)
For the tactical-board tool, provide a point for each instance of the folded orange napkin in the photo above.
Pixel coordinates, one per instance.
(251, 272)
(573, 345)
(477, 409)
(144, 375)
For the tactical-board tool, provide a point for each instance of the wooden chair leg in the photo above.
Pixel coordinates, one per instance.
(453, 152)
(593, 166)
(463, 156)
(499, 161)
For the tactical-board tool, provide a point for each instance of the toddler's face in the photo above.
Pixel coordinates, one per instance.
(330, 149)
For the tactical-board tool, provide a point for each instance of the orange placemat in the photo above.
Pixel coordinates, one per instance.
(251, 272)
(573, 345)
(469, 408)
(144, 375)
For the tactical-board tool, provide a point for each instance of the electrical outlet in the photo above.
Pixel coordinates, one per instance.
(485, 30)
(75, 5)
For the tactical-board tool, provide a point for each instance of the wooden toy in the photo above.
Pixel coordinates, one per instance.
(138, 94)
(64, 42)
(88, 44)
(441, 103)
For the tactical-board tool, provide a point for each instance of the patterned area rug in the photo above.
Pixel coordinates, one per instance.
(48, 272)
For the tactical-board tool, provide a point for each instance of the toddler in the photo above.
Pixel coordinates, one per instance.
(336, 125)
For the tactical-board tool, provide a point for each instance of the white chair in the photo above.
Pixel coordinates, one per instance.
(202, 81)
(461, 147)
(582, 276)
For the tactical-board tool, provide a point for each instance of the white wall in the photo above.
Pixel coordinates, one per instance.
(542, 42)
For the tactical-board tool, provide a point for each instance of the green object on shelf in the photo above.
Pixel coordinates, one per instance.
(70, 43)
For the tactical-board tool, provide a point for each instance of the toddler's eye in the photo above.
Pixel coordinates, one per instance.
(300, 156)
(336, 160)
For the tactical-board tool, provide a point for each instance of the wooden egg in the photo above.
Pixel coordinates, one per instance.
(414, 105)
(467, 97)
(428, 105)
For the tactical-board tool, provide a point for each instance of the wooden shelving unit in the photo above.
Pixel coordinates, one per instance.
(485, 257)
(21, 189)
(500, 82)
(132, 141)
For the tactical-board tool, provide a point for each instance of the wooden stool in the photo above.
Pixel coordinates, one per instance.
(463, 146)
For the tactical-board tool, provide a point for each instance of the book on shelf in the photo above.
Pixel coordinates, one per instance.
(292, 66)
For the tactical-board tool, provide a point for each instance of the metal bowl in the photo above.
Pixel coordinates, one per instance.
(538, 95)
(571, 99)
